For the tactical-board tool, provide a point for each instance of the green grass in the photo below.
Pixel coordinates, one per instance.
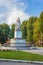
(19, 55)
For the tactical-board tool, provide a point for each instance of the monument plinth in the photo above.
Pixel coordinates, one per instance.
(18, 42)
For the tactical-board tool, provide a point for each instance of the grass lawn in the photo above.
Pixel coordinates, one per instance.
(20, 55)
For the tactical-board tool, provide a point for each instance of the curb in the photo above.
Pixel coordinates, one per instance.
(21, 61)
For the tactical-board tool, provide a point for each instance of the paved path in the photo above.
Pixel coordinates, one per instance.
(13, 63)
(36, 51)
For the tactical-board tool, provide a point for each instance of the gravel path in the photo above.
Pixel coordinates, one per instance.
(36, 51)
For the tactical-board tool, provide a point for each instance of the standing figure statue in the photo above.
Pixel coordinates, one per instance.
(17, 26)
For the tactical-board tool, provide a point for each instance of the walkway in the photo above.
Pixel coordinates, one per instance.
(36, 51)
(13, 63)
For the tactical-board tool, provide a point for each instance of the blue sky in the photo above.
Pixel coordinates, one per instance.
(11, 9)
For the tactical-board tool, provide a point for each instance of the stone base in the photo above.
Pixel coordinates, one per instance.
(18, 42)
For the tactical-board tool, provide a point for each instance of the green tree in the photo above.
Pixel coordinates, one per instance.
(12, 31)
(30, 28)
(38, 30)
(24, 29)
(5, 31)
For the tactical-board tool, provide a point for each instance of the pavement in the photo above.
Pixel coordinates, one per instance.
(36, 51)
(20, 61)
(13, 63)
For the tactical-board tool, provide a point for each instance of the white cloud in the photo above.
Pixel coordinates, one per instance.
(9, 4)
(11, 9)
(15, 14)
(4, 3)
(1, 15)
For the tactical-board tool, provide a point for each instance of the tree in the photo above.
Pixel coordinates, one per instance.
(41, 22)
(12, 31)
(5, 31)
(38, 30)
(1, 36)
(30, 28)
(24, 29)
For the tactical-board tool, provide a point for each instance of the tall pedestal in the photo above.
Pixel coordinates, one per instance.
(18, 41)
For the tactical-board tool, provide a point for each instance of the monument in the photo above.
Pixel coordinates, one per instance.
(18, 41)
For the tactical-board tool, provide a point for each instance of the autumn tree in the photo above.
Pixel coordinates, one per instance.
(38, 30)
(30, 28)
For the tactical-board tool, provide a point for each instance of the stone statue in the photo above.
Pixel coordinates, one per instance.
(17, 26)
